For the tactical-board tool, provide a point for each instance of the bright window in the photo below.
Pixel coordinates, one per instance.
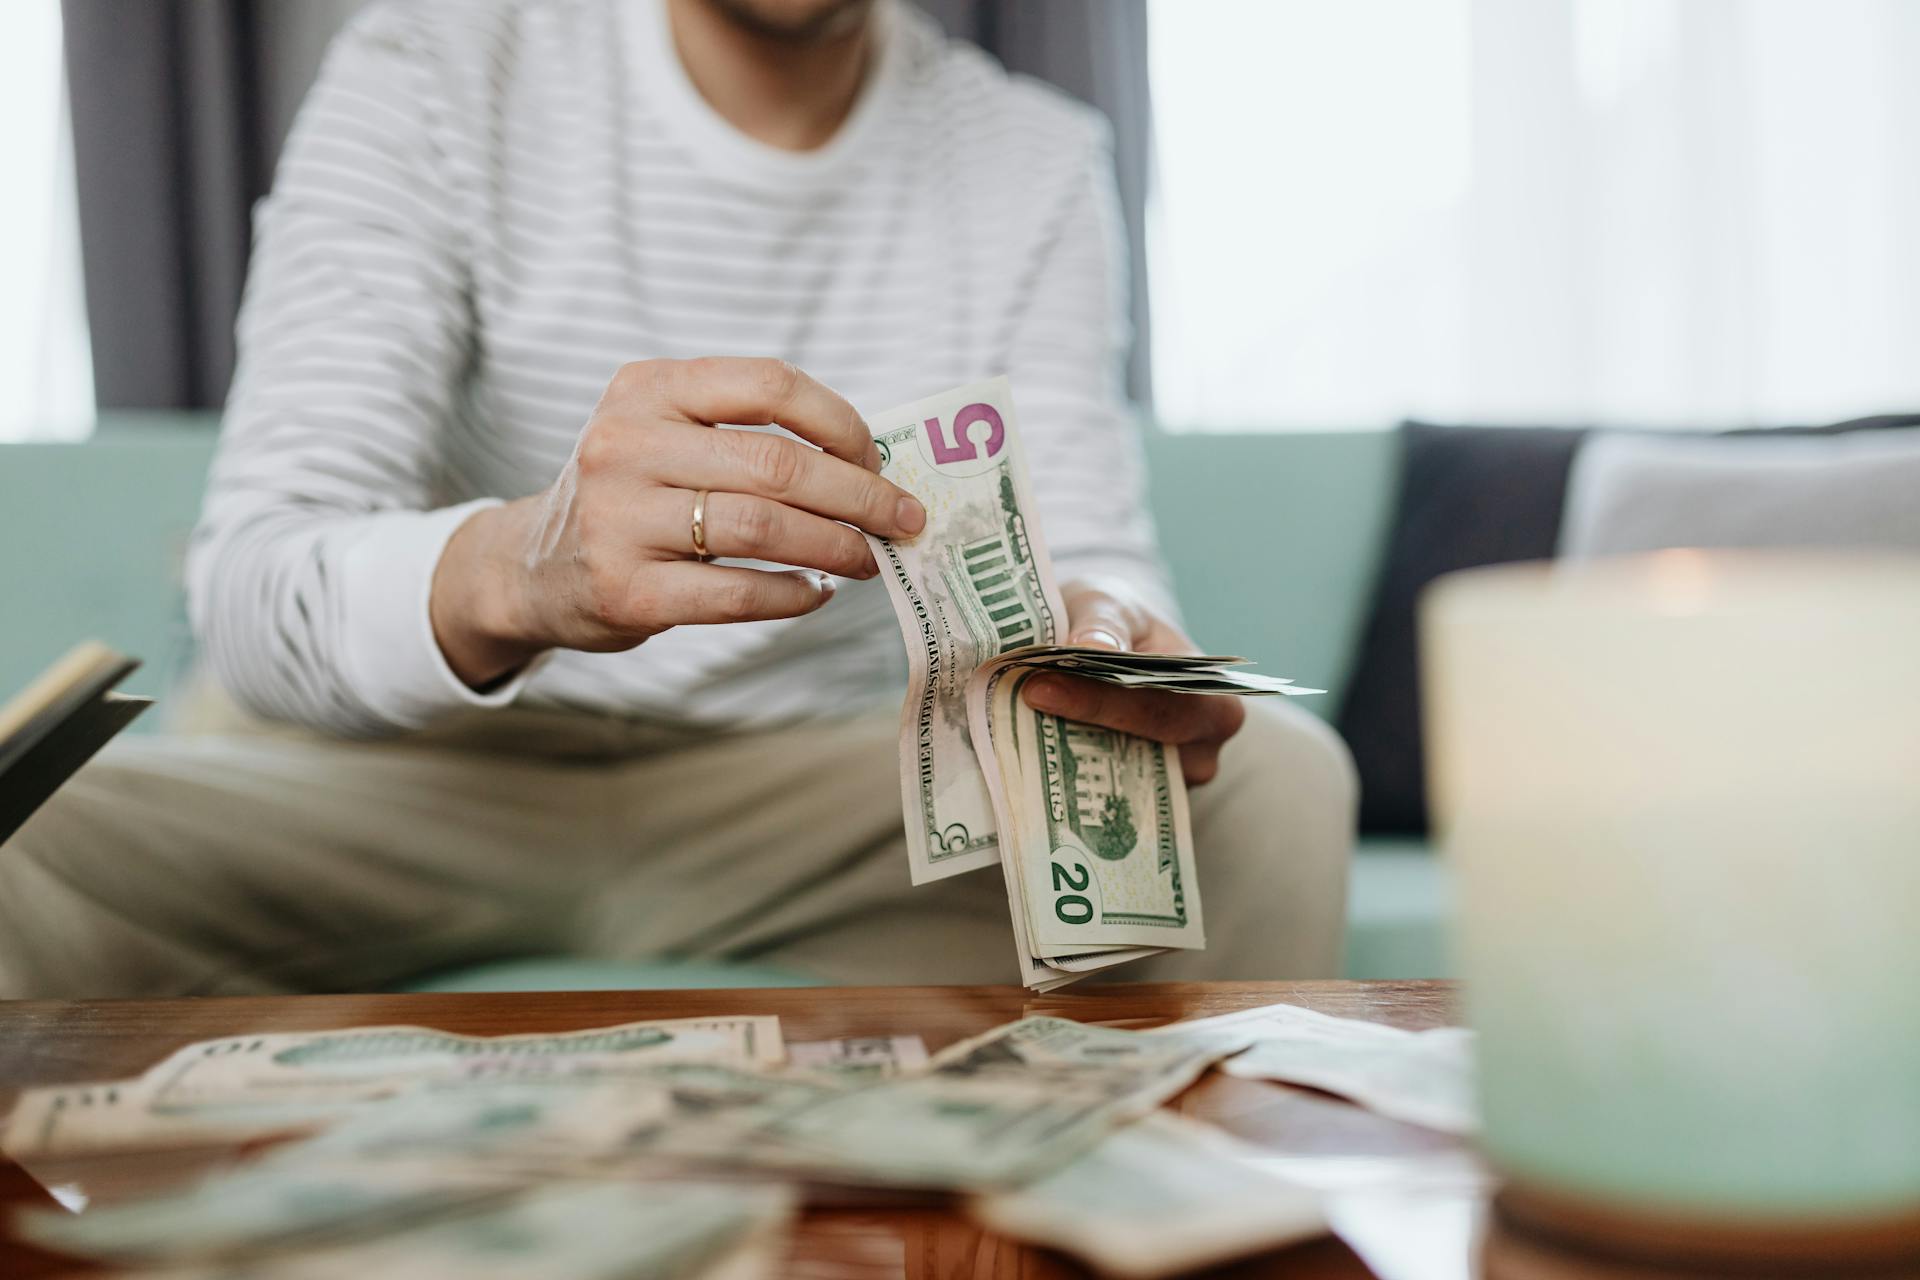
(1662, 212)
(46, 375)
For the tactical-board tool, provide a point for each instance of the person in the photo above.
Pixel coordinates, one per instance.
(525, 717)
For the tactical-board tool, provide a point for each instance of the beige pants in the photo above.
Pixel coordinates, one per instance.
(264, 862)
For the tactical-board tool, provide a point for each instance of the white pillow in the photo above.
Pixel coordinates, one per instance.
(1629, 493)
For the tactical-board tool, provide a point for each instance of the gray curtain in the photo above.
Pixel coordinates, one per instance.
(178, 109)
(180, 106)
(1097, 51)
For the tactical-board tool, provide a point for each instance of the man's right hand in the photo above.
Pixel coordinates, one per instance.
(604, 558)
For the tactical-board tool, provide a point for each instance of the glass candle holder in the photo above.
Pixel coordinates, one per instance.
(1681, 794)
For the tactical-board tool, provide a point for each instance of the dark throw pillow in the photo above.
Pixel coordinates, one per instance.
(1468, 496)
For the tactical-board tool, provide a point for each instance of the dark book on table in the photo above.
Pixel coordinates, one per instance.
(55, 724)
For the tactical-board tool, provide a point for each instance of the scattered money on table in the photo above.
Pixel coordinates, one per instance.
(274, 1207)
(681, 1148)
(1089, 825)
(988, 1112)
(260, 1086)
(1159, 1198)
(338, 1226)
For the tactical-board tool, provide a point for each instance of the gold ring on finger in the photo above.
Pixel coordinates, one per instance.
(700, 525)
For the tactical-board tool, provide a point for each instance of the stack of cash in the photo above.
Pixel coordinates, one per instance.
(682, 1148)
(1088, 825)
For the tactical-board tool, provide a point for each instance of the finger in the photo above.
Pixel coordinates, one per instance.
(686, 591)
(1148, 713)
(756, 391)
(785, 471)
(1200, 762)
(742, 525)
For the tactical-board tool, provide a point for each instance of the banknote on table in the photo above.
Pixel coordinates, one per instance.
(1161, 1197)
(675, 1117)
(319, 1063)
(261, 1208)
(998, 1109)
(1421, 1077)
(503, 1130)
(260, 1085)
(350, 1224)
(869, 1057)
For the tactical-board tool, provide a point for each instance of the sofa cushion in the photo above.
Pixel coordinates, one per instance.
(1272, 538)
(1632, 493)
(92, 537)
(1399, 900)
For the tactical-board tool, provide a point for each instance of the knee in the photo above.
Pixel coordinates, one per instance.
(1286, 757)
(67, 879)
(1282, 810)
(81, 824)
(1273, 836)
(36, 892)
(57, 833)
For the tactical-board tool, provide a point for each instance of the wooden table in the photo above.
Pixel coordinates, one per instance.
(46, 1042)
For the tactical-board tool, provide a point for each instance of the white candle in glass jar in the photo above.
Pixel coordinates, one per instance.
(1681, 794)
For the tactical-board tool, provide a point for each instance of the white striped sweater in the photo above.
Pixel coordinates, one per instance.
(487, 206)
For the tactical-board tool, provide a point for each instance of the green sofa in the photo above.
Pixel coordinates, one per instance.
(1272, 538)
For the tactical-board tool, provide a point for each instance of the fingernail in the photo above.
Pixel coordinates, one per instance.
(824, 584)
(1100, 639)
(911, 515)
(1046, 694)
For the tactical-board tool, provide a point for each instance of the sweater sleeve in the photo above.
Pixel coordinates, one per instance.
(1068, 360)
(309, 571)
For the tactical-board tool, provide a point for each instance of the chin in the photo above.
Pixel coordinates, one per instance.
(797, 21)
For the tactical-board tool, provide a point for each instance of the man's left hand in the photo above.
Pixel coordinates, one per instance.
(1110, 615)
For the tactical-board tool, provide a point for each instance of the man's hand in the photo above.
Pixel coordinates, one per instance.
(1111, 616)
(605, 558)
